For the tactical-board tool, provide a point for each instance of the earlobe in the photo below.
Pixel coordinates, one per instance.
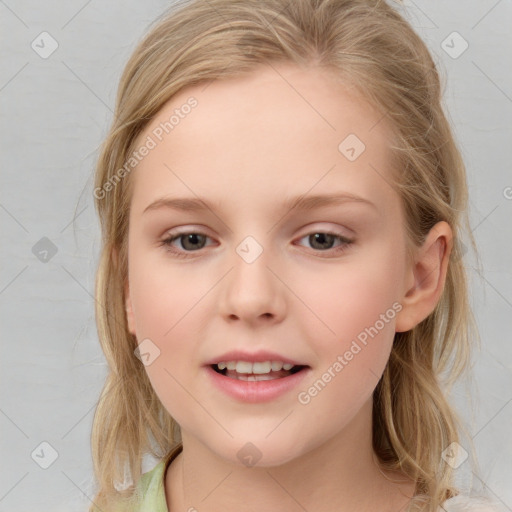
(425, 278)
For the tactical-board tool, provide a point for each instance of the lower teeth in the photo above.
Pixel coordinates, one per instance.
(257, 377)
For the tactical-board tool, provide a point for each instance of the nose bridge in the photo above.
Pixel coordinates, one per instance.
(252, 289)
(251, 250)
(251, 273)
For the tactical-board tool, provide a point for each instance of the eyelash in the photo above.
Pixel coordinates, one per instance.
(187, 254)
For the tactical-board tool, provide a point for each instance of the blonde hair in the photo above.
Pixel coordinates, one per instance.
(370, 46)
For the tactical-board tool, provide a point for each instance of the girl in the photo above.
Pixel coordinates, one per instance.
(281, 296)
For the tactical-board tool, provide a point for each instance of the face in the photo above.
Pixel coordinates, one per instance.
(250, 278)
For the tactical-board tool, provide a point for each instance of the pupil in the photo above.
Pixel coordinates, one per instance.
(192, 237)
(322, 237)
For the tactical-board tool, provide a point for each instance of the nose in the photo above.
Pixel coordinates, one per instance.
(252, 291)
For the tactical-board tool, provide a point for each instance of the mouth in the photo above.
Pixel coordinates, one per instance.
(257, 371)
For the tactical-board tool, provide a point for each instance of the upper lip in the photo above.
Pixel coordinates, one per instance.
(254, 357)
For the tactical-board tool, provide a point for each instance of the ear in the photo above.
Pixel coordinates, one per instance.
(425, 277)
(127, 300)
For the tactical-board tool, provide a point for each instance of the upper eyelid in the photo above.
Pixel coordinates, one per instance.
(199, 229)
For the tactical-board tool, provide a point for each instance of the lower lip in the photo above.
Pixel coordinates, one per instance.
(256, 391)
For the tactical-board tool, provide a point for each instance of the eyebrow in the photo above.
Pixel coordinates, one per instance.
(302, 203)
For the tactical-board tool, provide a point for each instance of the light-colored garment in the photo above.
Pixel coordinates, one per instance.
(152, 492)
(151, 486)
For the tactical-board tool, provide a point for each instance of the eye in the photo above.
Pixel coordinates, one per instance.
(194, 241)
(189, 241)
(323, 241)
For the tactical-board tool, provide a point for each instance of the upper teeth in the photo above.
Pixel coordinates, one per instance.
(256, 368)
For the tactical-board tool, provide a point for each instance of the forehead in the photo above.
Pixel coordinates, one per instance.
(279, 129)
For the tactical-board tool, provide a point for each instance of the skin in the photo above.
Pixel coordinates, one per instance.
(296, 298)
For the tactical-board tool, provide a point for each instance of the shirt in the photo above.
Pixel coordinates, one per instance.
(151, 488)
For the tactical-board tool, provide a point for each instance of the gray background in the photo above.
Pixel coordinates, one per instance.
(55, 112)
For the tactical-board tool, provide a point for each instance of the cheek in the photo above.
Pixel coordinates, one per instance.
(166, 306)
(355, 310)
(352, 359)
(164, 297)
(353, 295)
(172, 371)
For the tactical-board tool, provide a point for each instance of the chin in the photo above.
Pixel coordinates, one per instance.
(261, 452)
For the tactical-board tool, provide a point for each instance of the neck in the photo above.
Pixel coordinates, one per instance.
(339, 475)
